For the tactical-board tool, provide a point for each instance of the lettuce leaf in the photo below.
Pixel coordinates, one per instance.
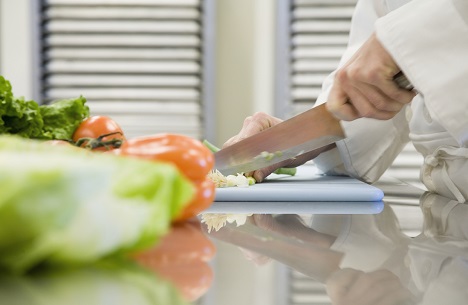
(27, 119)
(62, 117)
(63, 205)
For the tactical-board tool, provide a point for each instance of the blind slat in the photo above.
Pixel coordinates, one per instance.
(121, 13)
(126, 2)
(125, 93)
(122, 26)
(321, 26)
(317, 12)
(93, 80)
(323, 2)
(104, 53)
(62, 66)
(319, 40)
(100, 40)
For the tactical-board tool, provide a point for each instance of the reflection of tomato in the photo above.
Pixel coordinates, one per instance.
(190, 156)
(181, 257)
(192, 280)
(95, 127)
(184, 243)
(203, 199)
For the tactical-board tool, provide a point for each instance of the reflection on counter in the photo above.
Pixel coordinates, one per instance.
(182, 258)
(174, 272)
(367, 259)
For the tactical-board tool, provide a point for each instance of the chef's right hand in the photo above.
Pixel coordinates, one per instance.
(261, 121)
(381, 287)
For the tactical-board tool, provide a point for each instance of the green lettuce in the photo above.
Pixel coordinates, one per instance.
(62, 117)
(27, 119)
(62, 205)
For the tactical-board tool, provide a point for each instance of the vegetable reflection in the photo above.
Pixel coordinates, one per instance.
(112, 283)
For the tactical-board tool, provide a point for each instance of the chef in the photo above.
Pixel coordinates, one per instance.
(428, 41)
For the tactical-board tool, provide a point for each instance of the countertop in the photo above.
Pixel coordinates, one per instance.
(409, 248)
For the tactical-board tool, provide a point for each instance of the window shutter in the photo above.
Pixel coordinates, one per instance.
(137, 61)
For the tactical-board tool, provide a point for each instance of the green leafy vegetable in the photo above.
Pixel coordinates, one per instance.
(63, 117)
(211, 146)
(29, 120)
(64, 205)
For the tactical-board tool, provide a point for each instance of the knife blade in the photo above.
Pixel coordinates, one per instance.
(300, 134)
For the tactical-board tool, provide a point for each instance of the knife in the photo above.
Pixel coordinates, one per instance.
(300, 134)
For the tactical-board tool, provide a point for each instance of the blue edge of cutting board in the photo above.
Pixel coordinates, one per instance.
(308, 191)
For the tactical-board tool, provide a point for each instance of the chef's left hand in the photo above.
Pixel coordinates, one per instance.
(364, 86)
(261, 121)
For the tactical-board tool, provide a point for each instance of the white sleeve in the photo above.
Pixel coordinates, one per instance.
(429, 41)
(371, 145)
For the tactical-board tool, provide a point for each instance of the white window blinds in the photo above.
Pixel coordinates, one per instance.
(138, 61)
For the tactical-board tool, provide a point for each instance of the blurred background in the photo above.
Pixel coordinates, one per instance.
(196, 67)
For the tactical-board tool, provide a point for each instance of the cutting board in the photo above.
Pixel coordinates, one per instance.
(307, 185)
(308, 192)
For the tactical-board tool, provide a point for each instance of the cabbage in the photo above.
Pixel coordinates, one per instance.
(65, 205)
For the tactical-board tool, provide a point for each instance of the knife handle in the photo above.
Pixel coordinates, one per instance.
(402, 82)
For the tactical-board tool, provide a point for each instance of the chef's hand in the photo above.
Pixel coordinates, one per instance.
(381, 287)
(259, 122)
(289, 225)
(364, 86)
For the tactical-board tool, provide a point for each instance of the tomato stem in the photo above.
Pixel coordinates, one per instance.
(93, 143)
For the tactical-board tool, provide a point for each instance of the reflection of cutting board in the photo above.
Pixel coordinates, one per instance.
(307, 192)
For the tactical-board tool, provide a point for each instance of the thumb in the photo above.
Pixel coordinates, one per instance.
(338, 104)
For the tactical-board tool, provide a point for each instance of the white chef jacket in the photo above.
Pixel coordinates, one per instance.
(428, 39)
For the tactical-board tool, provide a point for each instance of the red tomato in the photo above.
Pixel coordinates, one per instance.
(189, 155)
(204, 196)
(96, 126)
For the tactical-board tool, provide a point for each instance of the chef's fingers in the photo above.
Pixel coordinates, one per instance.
(358, 104)
(257, 258)
(380, 287)
(380, 100)
(371, 287)
(292, 225)
(391, 89)
(286, 225)
(340, 282)
(338, 104)
(252, 125)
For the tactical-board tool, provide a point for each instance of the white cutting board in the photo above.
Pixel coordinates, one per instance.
(306, 186)
(306, 193)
